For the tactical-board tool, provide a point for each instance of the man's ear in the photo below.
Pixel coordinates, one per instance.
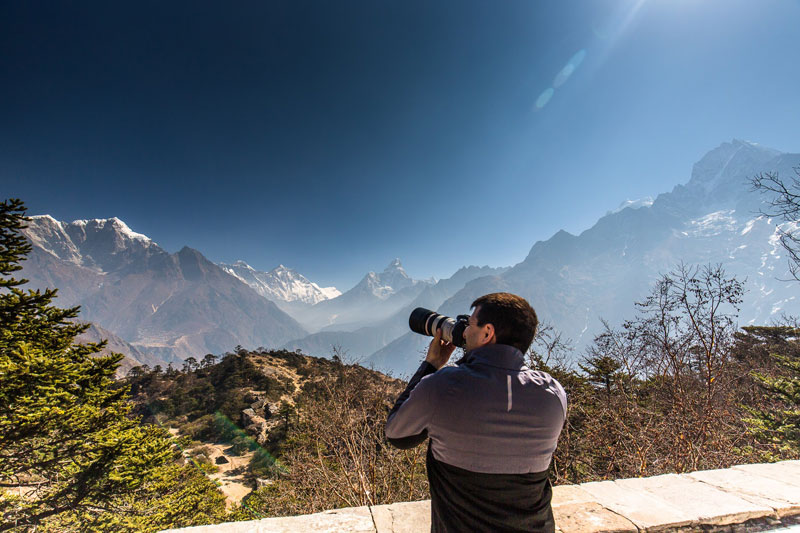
(488, 332)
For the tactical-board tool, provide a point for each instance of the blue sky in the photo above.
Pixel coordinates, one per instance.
(334, 136)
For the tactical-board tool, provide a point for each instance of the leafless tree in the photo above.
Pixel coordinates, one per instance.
(784, 203)
(337, 455)
(685, 327)
(550, 348)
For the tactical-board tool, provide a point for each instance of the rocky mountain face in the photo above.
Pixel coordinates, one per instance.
(169, 306)
(281, 284)
(575, 281)
(133, 356)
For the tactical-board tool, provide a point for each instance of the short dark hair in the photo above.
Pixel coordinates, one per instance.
(513, 318)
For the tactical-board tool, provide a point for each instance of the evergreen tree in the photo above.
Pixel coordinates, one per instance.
(70, 456)
(601, 371)
(779, 424)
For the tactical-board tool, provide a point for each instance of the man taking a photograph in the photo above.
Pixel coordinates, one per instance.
(493, 424)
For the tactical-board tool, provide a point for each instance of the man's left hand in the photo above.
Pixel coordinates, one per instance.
(439, 351)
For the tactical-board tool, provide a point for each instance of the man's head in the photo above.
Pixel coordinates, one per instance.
(501, 318)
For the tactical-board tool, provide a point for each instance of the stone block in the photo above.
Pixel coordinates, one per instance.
(570, 494)
(647, 511)
(783, 497)
(784, 471)
(590, 517)
(705, 504)
(351, 519)
(406, 517)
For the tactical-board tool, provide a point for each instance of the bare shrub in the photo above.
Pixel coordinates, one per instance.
(337, 455)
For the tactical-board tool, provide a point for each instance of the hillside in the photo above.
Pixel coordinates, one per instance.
(237, 416)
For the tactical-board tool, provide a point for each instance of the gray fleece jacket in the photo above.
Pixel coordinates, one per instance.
(489, 414)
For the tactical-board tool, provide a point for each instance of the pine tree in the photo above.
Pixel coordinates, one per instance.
(779, 424)
(70, 455)
(601, 371)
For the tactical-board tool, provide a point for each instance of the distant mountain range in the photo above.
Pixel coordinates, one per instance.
(281, 284)
(168, 306)
(390, 314)
(376, 297)
(172, 306)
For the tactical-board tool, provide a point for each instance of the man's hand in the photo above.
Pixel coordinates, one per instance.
(439, 352)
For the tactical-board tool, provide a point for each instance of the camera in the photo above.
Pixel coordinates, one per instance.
(426, 322)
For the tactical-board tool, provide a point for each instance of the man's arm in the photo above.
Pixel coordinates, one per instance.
(408, 420)
(404, 432)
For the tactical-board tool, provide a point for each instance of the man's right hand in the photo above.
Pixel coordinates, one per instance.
(439, 351)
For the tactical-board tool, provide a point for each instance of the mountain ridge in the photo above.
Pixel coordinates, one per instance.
(281, 283)
(168, 306)
(181, 304)
(574, 281)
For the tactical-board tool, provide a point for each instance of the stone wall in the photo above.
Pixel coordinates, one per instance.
(742, 498)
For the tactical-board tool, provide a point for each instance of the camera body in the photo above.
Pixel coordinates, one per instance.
(426, 322)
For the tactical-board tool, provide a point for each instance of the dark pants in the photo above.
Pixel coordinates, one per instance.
(463, 501)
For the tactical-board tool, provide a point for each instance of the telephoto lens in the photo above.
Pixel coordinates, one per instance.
(426, 322)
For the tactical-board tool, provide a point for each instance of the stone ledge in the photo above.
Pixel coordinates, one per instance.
(745, 497)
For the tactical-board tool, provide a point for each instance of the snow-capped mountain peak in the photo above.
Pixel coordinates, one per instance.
(281, 283)
(727, 162)
(48, 234)
(242, 264)
(113, 224)
(394, 265)
(647, 201)
(393, 279)
(102, 243)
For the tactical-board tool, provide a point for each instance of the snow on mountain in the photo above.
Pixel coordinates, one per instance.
(281, 283)
(574, 281)
(122, 229)
(391, 280)
(329, 292)
(367, 339)
(100, 244)
(48, 234)
(167, 306)
(731, 159)
(647, 201)
(713, 224)
(376, 297)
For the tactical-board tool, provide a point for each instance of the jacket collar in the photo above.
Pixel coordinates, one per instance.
(498, 355)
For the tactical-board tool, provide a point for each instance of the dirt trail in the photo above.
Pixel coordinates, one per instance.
(232, 483)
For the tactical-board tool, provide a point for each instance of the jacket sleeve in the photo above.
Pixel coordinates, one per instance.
(408, 420)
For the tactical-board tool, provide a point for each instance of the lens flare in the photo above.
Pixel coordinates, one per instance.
(227, 427)
(230, 428)
(545, 97)
(569, 68)
(606, 32)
